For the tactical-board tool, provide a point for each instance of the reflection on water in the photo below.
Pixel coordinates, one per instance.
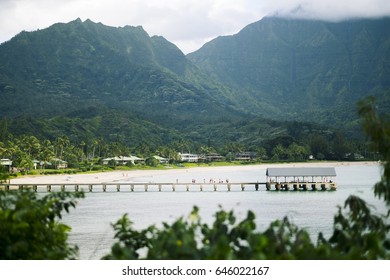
(313, 210)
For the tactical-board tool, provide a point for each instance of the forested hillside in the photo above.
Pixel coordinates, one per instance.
(72, 67)
(117, 83)
(304, 69)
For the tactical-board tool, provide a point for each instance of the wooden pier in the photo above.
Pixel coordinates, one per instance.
(132, 187)
(279, 179)
(180, 187)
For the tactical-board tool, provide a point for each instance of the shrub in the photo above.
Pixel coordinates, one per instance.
(30, 227)
(357, 235)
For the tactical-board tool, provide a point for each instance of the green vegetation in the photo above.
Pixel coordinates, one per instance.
(85, 78)
(30, 227)
(378, 129)
(31, 155)
(358, 234)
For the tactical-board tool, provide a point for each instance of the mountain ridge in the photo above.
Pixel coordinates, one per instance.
(277, 61)
(117, 83)
(89, 57)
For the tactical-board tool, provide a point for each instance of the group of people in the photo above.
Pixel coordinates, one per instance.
(212, 181)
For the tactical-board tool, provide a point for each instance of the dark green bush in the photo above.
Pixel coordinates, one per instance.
(30, 227)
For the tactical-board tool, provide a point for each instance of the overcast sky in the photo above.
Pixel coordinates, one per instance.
(187, 23)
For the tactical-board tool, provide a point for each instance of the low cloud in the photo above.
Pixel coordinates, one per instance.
(331, 10)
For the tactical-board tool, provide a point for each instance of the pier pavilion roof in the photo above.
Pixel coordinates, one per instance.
(301, 171)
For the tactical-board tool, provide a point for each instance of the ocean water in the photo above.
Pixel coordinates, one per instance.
(313, 210)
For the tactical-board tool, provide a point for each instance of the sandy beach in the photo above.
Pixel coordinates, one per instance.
(111, 176)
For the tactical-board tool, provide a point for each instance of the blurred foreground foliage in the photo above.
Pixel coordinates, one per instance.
(358, 234)
(30, 227)
(377, 128)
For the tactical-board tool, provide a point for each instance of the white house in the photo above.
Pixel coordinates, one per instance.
(189, 157)
(122, 160)
(41, 164)
(6, 162)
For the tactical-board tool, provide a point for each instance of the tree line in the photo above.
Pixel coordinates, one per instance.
(25, 149)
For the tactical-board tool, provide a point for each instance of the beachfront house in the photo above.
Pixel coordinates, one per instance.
(245, 156)
(162, 160)
(59, 163)
(213, 157)
(123, 160)
(41, 164)
(6, 163)
(189, 157)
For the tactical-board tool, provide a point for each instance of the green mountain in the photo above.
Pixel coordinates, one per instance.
(70, 67)
(303, 69)
(118, 81)
(89, 81)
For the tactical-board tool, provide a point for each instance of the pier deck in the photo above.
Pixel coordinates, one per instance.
(279, 179)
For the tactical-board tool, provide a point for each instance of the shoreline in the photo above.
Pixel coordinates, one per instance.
(110, 176)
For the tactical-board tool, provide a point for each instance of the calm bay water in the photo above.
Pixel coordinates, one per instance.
(91, 220)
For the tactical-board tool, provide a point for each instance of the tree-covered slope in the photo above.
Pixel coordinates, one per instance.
(303, 69)
(70, 67)
(89, 81)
